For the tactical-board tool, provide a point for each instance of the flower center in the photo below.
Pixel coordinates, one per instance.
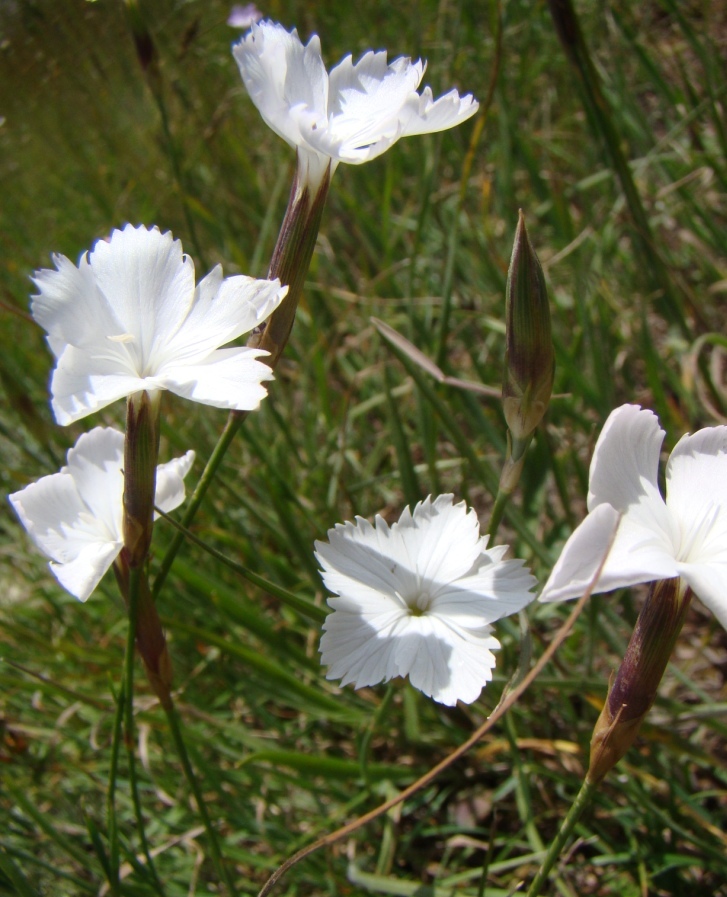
(134, 351)
(418, 603)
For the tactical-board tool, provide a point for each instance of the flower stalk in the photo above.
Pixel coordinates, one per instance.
(141, 450)
(582, 800)
(631, 694)
(291, 258)
(143, 616)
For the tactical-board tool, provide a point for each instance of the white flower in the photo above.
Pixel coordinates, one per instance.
(684, 536)
(75, 516)
(128, 318)
(352, 115)
(416, 599)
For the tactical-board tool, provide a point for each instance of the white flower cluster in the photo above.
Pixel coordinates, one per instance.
(129, 319)
(417, 598)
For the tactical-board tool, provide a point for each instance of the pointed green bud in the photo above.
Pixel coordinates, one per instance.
(633, 689)
(529, 356)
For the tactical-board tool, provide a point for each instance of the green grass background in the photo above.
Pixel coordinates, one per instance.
(420, 238)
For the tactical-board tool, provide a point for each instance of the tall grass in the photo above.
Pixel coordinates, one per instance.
(348, 428)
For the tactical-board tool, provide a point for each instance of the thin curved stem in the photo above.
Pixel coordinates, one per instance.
(234, 421)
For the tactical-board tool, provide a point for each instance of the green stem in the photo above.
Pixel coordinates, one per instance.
(501, 499)
(509, 479)
(133, 781)
(234, 421)
(111, 796)
(127, 697)
(127, 690)
(176, 731)
(583, 799)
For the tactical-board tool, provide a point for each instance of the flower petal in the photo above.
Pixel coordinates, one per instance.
(228, 378)
(697, 495)
(59, 523)
(81, 575)
(359, 648)
(637, 555)
(84, 382)
(373, 104)
(625, 462)
(68, 306)
(441, 540)
(283, 77)
(372, 89)
(443, 661)
(144, 276)
(708, 581)
(170, 482)
(364, 107)
(425, 115)
(495, 589)
(96, 464)
(358, 563)
(222, 311)
(46, 509)
(624, 472)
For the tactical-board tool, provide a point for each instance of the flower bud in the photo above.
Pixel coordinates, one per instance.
(633, 689)
(529, 356)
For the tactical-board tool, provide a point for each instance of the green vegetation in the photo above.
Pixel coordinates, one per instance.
(420, 238)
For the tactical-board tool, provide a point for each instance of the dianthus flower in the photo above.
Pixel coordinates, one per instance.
(352, 114)
(417, 599)
(684, 535)
(128, 318)
(75, 516)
